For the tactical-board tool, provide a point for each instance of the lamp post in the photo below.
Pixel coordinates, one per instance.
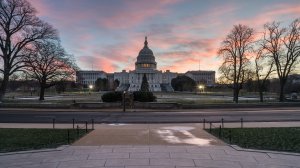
(90, 88)
(201, 88)
(124, 101)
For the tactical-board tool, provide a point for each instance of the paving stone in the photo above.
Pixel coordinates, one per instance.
(127, 162)
(217, 163)
(168, 149)
(190, 155)
(100, 150)
(277, 161)
(286, 157)
(150, 167)
(252, 165)
(206, 150)
(14, 156)
(108, 155)
(242, 153)
(233, 158)
(259, 156)
(188, 167)
(132, 149)
(19, 161)
(49, 154)
(42, 165)
(83, 147)
(65, 158)
(81, 164)
(172, 162)
(149, 155)
(116, 146)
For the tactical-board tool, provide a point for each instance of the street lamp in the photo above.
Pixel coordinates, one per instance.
(201, 88)
(90, 88)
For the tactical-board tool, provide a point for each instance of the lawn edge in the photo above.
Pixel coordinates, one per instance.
(238, 148)
(60, 148)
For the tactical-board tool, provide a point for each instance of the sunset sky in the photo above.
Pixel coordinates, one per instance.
(108, 34)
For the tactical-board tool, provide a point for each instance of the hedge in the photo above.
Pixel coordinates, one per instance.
(112, 97)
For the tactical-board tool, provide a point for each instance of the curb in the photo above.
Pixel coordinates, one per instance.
(238, 148)
(60, 148)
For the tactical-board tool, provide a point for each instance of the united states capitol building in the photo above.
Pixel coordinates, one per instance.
(144, 65)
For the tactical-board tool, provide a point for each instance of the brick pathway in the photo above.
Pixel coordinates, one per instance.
(153, 156)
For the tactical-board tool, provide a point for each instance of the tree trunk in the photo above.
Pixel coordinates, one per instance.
(42, 92)
(261, 95)
(4, 85)
(281, 94)
(236, 95)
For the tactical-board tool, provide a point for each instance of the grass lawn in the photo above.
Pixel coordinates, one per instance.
(18, 139)
(279, 139)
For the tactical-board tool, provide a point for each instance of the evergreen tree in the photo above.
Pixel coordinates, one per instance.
(183, 83)
(101, 84)
(145, 84)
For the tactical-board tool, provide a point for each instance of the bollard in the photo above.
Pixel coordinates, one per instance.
(242, 122)
(220, 130)
(73, 123)
(77, 131)
(86, 127)
(230, 136)
(68, 136)
(210, 127)
(53, 123)
(222, 121)
(93, 124)
(204, 123)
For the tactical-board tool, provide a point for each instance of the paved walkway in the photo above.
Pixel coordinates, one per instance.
(153, 156)
(149, 134)
(150, 146)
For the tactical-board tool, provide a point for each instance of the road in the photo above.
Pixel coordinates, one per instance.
(142, 116)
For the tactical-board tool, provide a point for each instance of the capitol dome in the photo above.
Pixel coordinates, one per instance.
(145, 59)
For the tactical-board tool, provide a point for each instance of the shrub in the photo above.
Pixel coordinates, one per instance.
(144, 96)
(112, 97)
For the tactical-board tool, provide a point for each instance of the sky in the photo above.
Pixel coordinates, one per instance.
(183, 34)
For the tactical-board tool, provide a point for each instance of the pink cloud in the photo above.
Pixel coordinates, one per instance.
(135, 12)
(178, 46)
(42, 9)
(98, 63)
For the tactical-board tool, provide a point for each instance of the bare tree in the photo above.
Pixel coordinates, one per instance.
(235, 50)
(19, 27)
(264, 66)
(48, 63)
(283, 44)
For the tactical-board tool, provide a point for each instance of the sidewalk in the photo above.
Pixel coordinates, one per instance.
(149, 146)
(200, 125)
(153, 156)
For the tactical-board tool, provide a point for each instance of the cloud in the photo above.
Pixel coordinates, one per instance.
(41, 6)
(109, 34)
(133, 13)
(98, 63)
(278, 12)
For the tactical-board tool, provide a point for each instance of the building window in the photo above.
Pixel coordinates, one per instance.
(146, 65)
